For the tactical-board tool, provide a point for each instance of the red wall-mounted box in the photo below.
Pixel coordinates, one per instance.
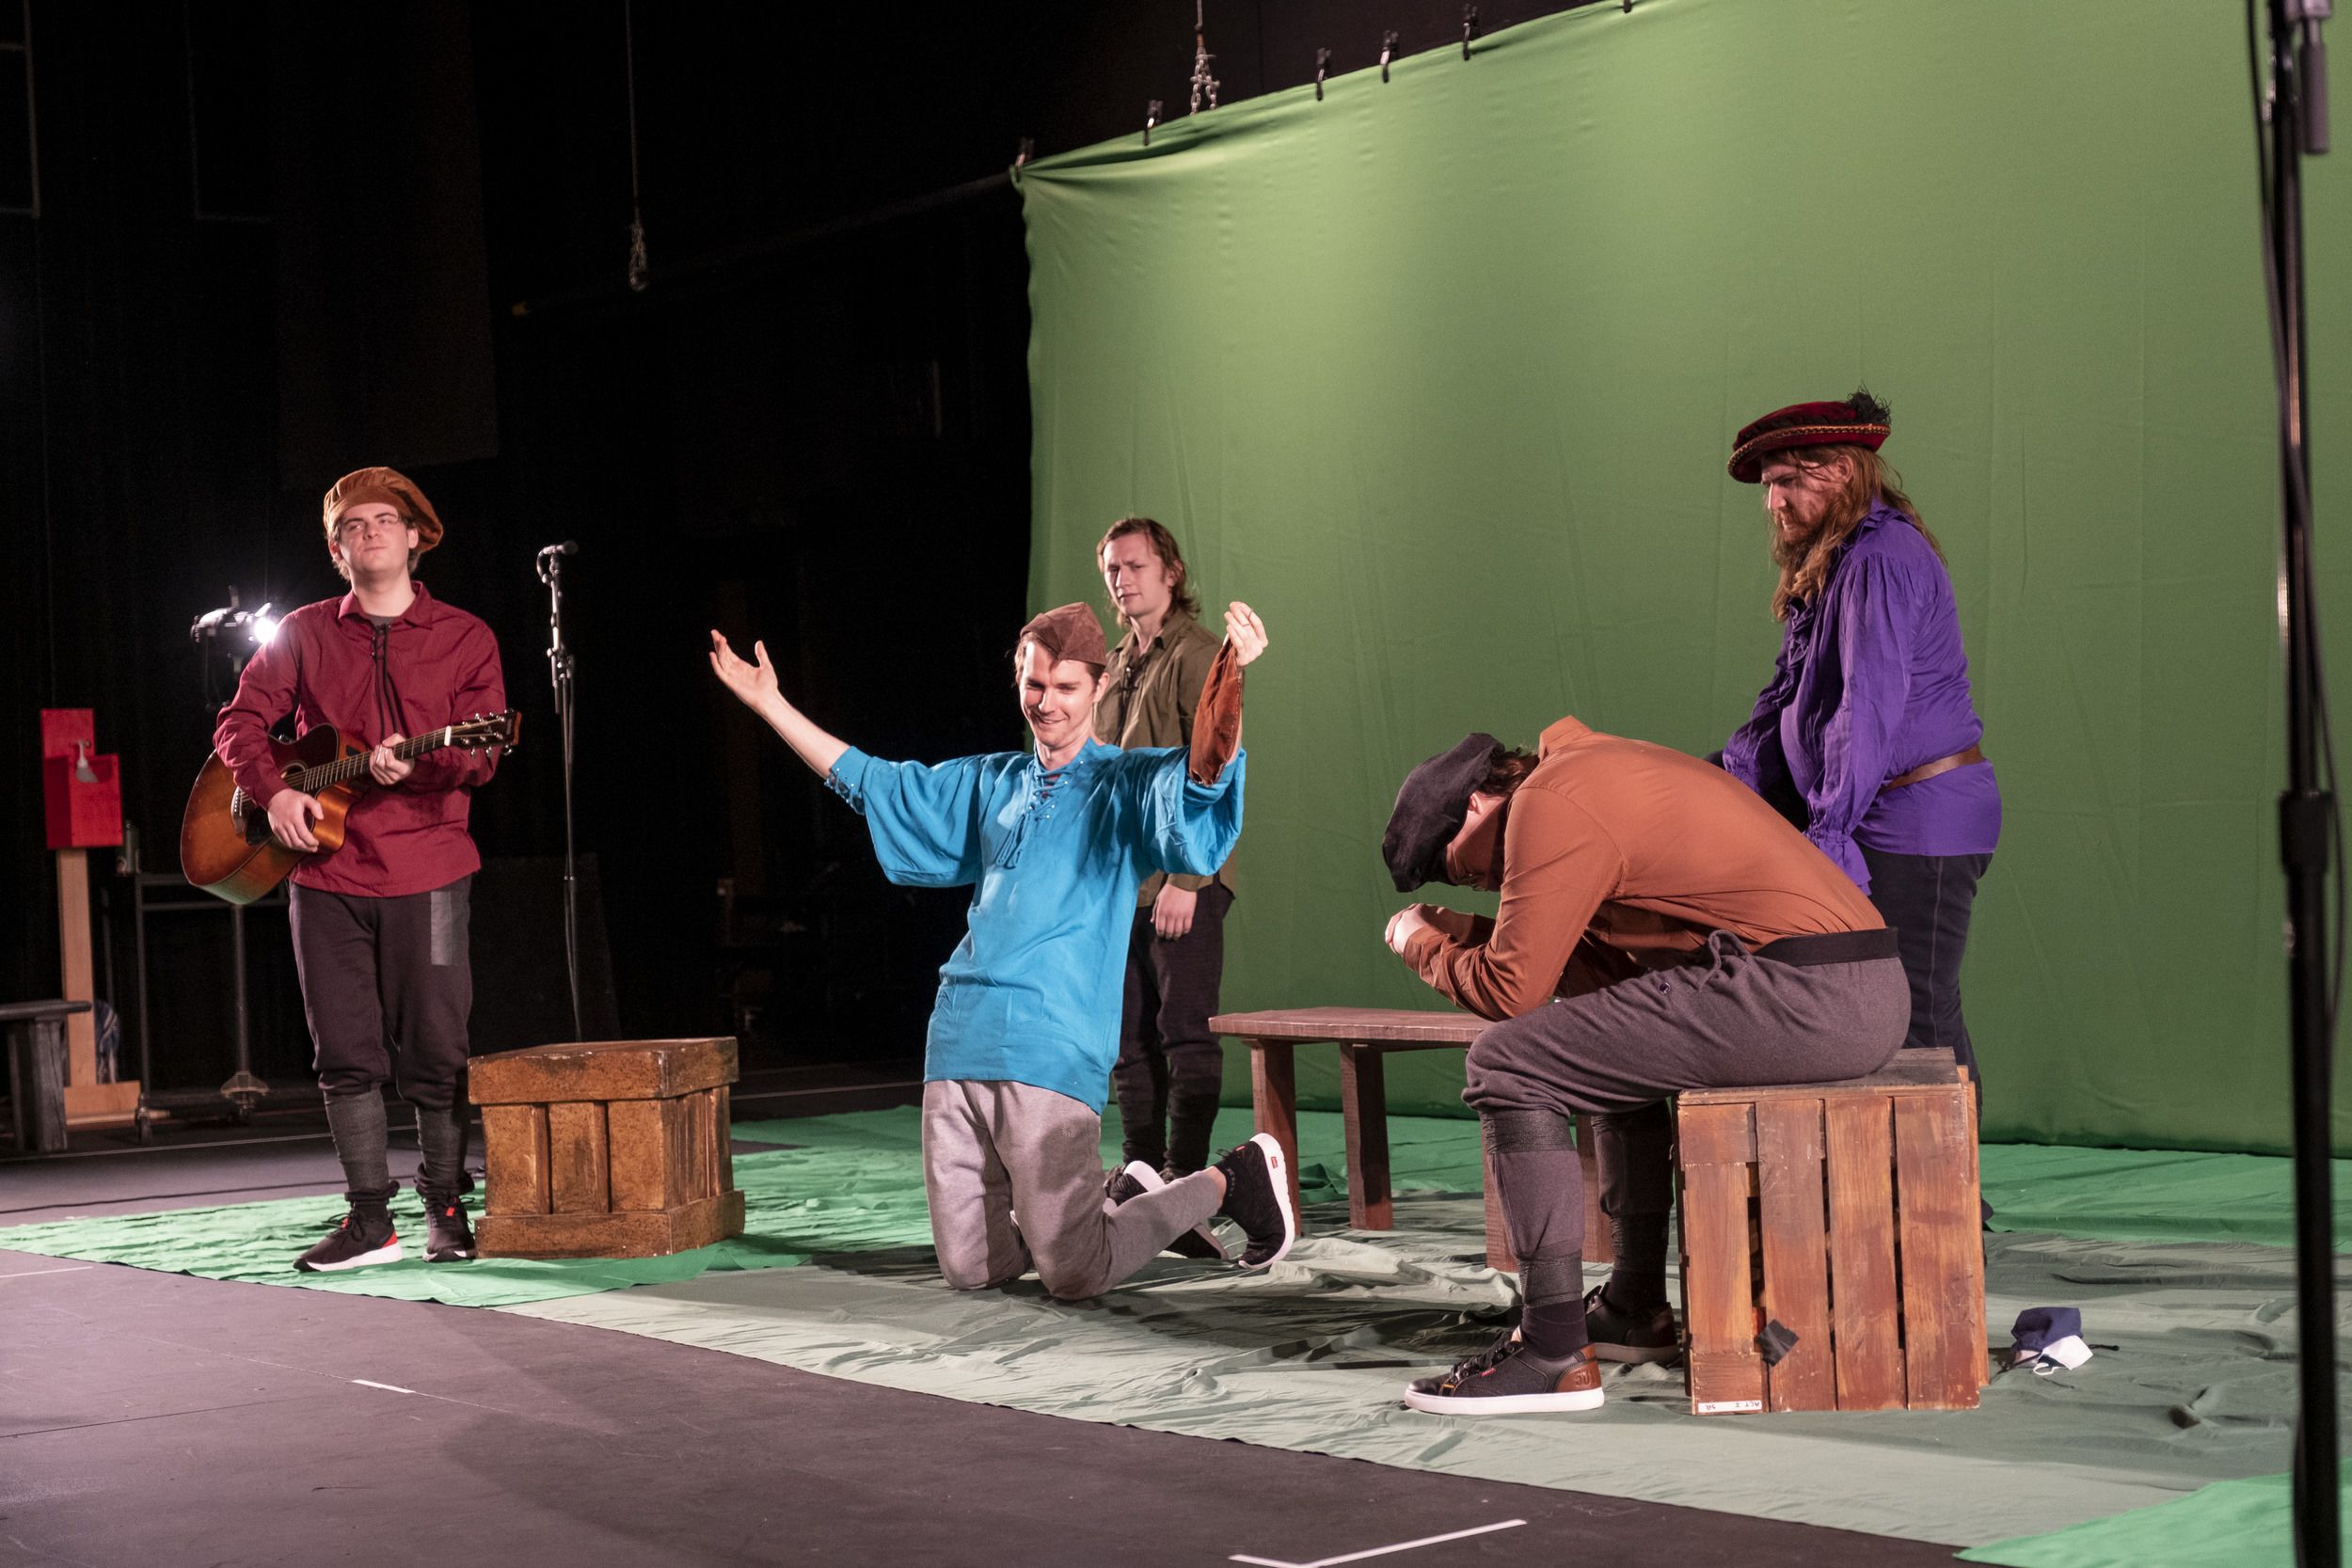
(83, 792)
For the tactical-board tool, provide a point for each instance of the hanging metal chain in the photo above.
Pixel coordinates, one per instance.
(1202, 80)
(639, 275)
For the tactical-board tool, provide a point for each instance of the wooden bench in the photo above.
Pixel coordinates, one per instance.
(1366, 1037)
(1847, 1214)
(609, 1148)
(36, 1050)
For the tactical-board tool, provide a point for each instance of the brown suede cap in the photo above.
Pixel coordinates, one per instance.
(383, 487)
(1216, 721)
(1069, 632)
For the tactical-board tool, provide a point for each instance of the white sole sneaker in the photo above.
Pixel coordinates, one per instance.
(1505, 1404)
(1278, 1169)
(389, 1253)
(1152, 1181)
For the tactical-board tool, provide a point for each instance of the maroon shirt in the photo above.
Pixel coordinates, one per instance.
(330, 664)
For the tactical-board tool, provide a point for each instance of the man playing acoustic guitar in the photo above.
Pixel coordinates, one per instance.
(380, 924)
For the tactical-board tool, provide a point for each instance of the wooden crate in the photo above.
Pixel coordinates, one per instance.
(607, 1148)
(1848, 1213)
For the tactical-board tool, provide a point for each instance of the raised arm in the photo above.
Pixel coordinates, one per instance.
(756, 686)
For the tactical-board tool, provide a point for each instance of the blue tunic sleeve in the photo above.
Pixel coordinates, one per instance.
(1181, 825)
(1875, 622)
(924, 820)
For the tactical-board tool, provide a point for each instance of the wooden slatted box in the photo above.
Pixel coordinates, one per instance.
(1846, 1212)
(607, 1148)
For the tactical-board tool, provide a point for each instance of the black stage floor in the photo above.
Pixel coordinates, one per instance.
(157, 1419)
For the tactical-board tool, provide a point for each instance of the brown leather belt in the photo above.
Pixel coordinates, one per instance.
(1927, 770)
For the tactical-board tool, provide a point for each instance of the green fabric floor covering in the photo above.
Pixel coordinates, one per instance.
(2230, 1524)
(865, 1166)
(1312, 1355)
(2122, 1194)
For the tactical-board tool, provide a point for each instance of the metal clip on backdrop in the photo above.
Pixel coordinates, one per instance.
(560, 676)
(2310, 837)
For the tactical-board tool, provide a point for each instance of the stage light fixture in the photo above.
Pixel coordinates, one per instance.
(226, 639)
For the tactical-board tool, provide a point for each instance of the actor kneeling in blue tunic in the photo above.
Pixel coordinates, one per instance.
(1053, 845)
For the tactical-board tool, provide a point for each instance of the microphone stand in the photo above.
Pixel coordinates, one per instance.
(2296, 123)
(560, 676)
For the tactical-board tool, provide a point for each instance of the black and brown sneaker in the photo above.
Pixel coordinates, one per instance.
(1637, 1337)
(447, 1235)
(1258, 1198)
(1505, 1379)
(363, 1238)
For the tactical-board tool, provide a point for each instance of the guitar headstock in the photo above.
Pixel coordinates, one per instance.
(487, 729)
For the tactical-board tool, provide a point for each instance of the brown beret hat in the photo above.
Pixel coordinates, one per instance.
(382, 487)
(1070, 632)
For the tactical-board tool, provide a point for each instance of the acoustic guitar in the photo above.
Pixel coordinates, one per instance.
(226, 846)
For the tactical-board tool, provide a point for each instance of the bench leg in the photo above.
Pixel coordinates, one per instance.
(19, 1041)
(1274, 1097)
(1499, 1256)
(46, 1091)
(1600, 1242)
(1364, 1105)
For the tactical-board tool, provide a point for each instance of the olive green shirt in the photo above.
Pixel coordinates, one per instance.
(1150, 702)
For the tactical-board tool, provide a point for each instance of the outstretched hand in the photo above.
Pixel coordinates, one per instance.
(1245, 631)
(755, 684)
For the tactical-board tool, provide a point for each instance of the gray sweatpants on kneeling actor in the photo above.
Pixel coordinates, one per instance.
(1731, 1019)
(992, 1149)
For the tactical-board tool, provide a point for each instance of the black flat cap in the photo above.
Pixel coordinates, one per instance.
(1431, 808)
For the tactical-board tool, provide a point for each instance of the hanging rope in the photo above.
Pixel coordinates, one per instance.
(638, 274)
(1202, 80)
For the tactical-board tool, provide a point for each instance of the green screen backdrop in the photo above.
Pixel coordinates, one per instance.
(1440, 375)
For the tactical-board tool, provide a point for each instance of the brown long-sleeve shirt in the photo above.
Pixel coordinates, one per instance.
(1620, 856)
(1154, 690)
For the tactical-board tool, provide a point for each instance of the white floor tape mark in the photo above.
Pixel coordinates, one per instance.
(1378, 1551)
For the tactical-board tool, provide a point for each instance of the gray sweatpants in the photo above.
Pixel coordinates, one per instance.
(1731, 1019)
(991, 1149)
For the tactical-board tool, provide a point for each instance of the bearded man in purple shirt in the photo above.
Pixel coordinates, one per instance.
(1866, 736)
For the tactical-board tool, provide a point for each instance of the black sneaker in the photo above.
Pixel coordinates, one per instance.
(1506, 1380)
(365, 1237)
(1258, 1198)
(448, 1237)
(1136, 1178)
(1644, 1337)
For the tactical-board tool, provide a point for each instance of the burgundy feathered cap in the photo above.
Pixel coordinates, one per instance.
(1858, 421)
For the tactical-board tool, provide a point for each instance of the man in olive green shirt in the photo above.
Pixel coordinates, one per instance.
(1170, 1066)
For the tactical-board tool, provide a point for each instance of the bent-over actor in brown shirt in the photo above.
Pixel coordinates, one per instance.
(1660, 928)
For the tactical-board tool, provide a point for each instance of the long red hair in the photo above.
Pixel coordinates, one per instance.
(1805, 566)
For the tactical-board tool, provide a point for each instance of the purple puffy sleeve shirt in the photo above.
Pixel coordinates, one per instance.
(1871, 682)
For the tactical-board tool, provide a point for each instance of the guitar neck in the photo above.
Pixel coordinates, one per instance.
(345, 770)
